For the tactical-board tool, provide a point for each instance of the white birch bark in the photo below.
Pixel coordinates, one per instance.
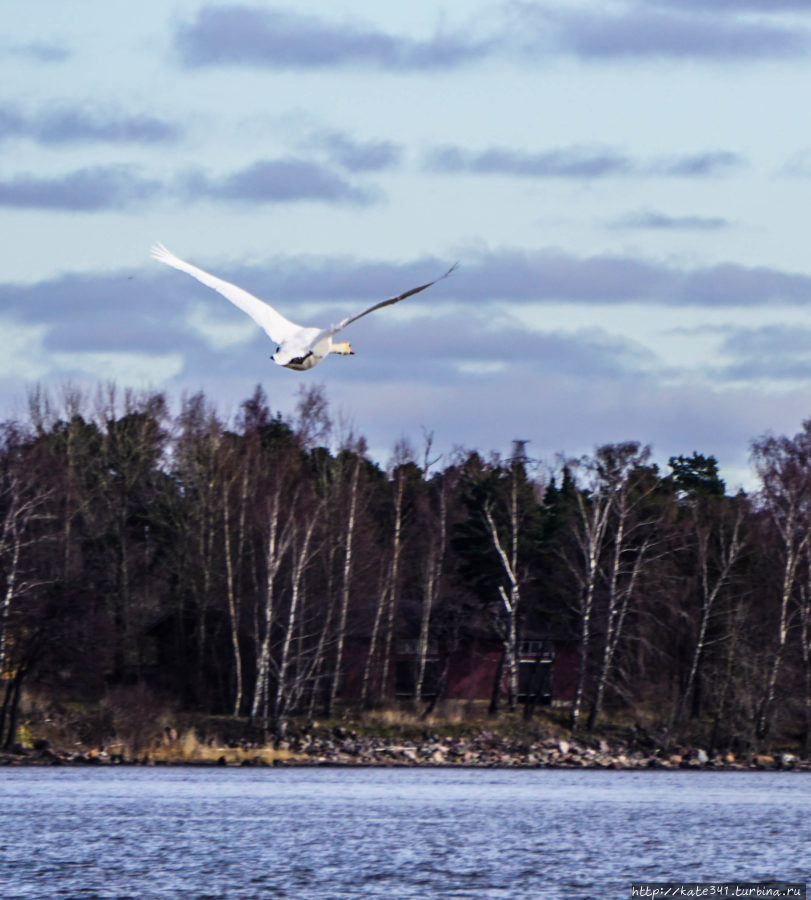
(302, 558)
(346, 582)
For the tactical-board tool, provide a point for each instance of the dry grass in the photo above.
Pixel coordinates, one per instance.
(189, 748)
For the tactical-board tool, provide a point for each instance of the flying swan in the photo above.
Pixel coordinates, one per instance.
(298, 347)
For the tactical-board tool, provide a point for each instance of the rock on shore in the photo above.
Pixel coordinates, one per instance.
(340, 747)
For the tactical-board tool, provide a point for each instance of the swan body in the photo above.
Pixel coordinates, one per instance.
(298, 347)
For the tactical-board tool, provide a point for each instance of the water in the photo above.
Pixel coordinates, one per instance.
(298, 834)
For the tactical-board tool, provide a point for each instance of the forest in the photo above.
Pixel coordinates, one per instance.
(228, 567)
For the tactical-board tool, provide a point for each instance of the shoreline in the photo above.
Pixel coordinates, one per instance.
(483, 751)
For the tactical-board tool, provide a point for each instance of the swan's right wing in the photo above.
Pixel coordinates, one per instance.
(278, 328)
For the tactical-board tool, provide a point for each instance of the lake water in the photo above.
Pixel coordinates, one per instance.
(296, 834)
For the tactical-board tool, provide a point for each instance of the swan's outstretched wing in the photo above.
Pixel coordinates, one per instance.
(275, 325)
(349, 319)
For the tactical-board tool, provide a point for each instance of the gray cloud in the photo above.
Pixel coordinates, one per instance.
(286, 180)
(733, 6)
(777, 352)
(119, 312)
(40, 51)
(122, 311)
(476, 344)
(799, 164)
(698, 164)
(641, 33)
(277, 181)
(544, 275)
(651, 219)
(356, 156)
(65, 124)
(575, 162)
(731, 284)
(88, 296)
(84, 190)
(281, 38)
(768, 341)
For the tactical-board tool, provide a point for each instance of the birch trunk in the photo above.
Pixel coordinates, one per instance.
(510, 601)
(394, 581)
(280, 703)
(805, 642)
(593, 522)
(710, 591)
(794, 546)
(233, 599)
(371, 656)
(275, 549)
(346, 582)
(11, 536)
(433, 576)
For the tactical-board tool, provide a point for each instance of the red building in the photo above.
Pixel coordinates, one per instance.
(547, 669)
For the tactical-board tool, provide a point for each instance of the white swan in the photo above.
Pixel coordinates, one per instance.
(298, 347)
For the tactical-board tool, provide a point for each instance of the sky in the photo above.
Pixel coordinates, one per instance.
(625, 185)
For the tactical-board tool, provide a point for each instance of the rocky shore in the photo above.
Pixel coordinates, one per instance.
(341, 747)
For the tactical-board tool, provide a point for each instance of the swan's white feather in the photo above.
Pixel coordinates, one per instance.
(298, 347)
(276, 326)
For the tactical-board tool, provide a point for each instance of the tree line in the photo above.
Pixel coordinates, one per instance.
(232, 566)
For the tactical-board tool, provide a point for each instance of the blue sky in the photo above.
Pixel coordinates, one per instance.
(626, 186)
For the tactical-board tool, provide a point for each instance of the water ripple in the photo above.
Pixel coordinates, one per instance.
(155, 834)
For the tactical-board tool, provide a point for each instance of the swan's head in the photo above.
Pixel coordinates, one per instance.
(342, 348)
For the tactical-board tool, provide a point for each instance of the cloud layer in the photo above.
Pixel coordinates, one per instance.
(68, 124)
(279, 38)
(577, 162)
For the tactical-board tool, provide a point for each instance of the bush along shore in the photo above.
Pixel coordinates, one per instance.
(339, 746)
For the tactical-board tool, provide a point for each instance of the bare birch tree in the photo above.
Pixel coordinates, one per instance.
(630, 485)
(346, 576)
(302, 555)
(716, 526)
(589, 527)
(784, 467)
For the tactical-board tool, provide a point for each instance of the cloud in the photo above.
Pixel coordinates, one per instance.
(575, 162)
(166, 312)
(733, 6)
(513, 275)
(651, 219)
(118, 187)
(697, 165)
(277, 181)
(773, 352)
(40, 52)
(123, 368)
(552, 275)
(356, 156)
(84, 190)
(732, 284)
(522, 31)
(69, 124)
(799, 164)
(638, 32)
(282, 39)
(88, 311)
(440, 346)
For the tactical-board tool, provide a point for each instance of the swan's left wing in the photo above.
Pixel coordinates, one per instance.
(350, 319)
